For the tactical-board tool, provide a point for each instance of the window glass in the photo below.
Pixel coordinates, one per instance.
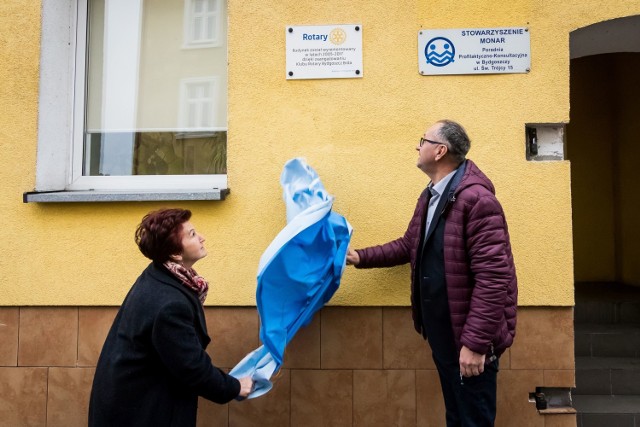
(153, 107)
(202, 22)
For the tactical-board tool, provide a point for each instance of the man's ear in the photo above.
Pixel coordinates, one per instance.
(444, 151)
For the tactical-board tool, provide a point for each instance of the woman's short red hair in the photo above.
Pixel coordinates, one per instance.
(159, 235)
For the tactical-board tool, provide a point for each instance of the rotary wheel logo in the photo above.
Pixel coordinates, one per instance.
(337, 36)
(439, 51)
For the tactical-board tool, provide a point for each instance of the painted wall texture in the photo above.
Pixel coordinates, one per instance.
(359, 134)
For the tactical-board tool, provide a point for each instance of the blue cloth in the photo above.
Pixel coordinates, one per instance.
(298, 272)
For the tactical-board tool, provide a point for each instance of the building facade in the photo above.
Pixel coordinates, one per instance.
(111, 109)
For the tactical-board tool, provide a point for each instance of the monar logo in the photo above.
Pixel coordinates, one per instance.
(439, 51)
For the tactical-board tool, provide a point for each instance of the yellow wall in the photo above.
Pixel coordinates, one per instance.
(359, 134)
(603, 148)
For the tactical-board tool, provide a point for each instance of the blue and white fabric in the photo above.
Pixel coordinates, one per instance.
(298, 272)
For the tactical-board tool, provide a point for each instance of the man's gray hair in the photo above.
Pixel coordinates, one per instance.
(456, 137)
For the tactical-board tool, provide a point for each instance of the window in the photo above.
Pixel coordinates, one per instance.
(123, 107)
(198, 102)
(202, 23)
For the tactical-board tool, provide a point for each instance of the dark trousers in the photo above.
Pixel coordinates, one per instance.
(469, 401)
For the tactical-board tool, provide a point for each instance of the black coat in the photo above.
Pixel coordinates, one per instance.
(153, 365)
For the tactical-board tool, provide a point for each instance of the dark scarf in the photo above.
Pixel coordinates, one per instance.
(190, 279)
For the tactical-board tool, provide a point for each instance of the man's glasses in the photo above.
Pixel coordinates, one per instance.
(423, 140)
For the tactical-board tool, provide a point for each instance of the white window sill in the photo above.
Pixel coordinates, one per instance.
(122, 196)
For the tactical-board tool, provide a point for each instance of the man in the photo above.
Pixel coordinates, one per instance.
(463, 281)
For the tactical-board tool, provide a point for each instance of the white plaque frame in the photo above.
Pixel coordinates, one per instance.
(474, 51)
(324, 51)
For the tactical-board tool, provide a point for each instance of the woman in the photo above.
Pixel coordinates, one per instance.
(153, 365)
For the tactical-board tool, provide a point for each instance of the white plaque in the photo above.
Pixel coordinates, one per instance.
(474, 51)
(324, 51)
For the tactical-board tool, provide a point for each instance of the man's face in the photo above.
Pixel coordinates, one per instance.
(430, 149)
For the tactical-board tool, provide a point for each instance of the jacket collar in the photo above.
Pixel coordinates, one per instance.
(472, 175)
(455, 181)
(161, 274)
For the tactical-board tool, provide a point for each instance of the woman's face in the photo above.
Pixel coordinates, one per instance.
(192, 246)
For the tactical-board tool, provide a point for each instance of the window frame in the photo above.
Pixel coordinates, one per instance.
(187, 42)
(61, 121)
(214, 84)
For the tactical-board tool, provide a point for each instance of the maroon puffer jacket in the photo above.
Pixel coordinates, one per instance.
(479, 268)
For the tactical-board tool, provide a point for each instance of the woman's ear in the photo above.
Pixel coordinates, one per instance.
(176, 258)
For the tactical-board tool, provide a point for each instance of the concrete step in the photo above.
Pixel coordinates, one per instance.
(607, 340)
(607, 303)
(597, 404)
(607, 312)
(607, 348)
(617, 376)
(609, 411)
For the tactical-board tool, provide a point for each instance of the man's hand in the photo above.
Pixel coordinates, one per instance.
(246, 385)
(352, 257)
(471, 364)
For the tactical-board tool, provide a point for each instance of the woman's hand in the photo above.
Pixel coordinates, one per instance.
(246, 385)
(352, 257)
